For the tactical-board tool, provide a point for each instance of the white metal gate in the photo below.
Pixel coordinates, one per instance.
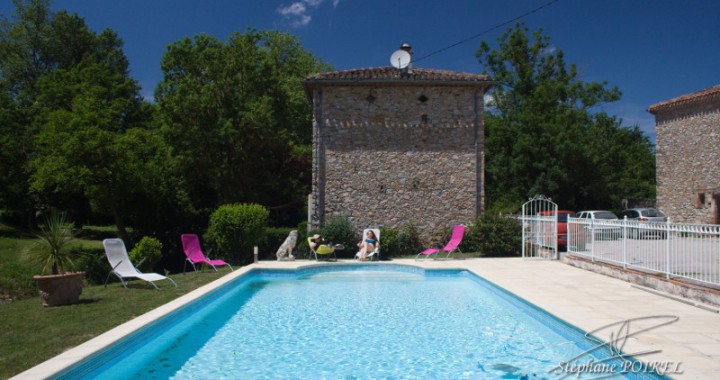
(540, 228)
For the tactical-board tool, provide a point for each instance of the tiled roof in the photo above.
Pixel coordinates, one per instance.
(391, 74)
(695, 96)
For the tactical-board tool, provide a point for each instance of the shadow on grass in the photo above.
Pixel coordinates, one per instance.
(140, 286)
(89, 301)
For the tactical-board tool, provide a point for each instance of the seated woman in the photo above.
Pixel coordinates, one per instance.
(367, 245)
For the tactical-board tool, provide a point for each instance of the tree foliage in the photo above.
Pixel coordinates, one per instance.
(543, 136)
(231, 124)
(73, 121)
(237, 118)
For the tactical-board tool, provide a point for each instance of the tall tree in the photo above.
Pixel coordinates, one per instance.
(73, 119)
(24, 48)
(542, 136)
(237, 117)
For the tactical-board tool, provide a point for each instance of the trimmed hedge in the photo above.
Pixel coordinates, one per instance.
(493, 235)
(236, 228)
(275, 236)
(100, 232)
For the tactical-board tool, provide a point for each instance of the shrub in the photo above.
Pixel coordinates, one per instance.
(388, 243)
(441, 235)
(55, 234)
(93, 262)
(302, 229)
(340, 230)
(148, 249)
(275, 236)
(408, 240)
(493, 236)
(236, 228)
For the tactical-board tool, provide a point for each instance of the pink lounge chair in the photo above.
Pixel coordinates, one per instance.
(453, 245)
(195, 255)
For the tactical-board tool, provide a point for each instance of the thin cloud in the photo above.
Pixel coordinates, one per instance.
(294, 9)
(298, 13)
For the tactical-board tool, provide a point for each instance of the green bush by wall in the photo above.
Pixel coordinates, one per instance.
(340, 230)
(388, 243)
(275, 236)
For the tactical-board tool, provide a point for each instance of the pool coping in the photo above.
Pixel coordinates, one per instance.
(496, 271)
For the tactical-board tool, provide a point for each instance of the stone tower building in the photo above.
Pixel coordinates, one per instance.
(687, 155)
(392, 146)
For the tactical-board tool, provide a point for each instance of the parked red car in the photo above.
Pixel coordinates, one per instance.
(562, 230)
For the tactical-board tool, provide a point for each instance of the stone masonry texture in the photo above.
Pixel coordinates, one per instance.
(688, 157)
(390, 153)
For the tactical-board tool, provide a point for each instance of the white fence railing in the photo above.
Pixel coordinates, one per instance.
(690, 251)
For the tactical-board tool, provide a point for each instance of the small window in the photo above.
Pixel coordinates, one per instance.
(423, 98)
(699, 201)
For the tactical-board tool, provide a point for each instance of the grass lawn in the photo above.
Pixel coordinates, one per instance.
(31, 334)
(17, 266)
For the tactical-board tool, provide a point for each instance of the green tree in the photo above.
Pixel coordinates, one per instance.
(73, 122)
(237, 118)
(24, 58)
(542, 136)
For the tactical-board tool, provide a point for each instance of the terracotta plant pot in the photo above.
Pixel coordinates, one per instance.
(60, 289)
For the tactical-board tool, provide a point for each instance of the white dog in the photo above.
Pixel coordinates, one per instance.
(285, 251)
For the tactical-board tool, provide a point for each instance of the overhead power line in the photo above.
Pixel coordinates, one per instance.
(486, 31)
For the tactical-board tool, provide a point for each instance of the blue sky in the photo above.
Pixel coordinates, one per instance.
(652, 50)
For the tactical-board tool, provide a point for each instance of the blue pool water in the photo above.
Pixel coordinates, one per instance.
(346, 322)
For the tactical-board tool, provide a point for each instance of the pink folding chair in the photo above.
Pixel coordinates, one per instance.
(195, 255)
(453, 245)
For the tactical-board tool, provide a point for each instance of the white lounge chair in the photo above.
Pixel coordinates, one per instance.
(375, 254)
(123, 268)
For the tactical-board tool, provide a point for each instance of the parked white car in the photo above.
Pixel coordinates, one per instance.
(600, 231)
(596, 214)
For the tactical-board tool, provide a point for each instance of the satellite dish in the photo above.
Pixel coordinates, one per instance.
(400, 59)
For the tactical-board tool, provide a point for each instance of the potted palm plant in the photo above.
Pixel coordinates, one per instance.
(59, 287)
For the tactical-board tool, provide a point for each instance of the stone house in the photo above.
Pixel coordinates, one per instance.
(687, 132)
(392, 146)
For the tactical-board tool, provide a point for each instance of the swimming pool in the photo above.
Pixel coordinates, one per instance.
(349, 322)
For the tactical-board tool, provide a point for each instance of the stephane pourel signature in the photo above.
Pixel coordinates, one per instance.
(591, 364)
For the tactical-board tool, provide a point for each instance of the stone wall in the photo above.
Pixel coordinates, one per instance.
(393, 154)
(688, 160)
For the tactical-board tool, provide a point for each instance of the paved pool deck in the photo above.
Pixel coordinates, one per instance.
(584, 299)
